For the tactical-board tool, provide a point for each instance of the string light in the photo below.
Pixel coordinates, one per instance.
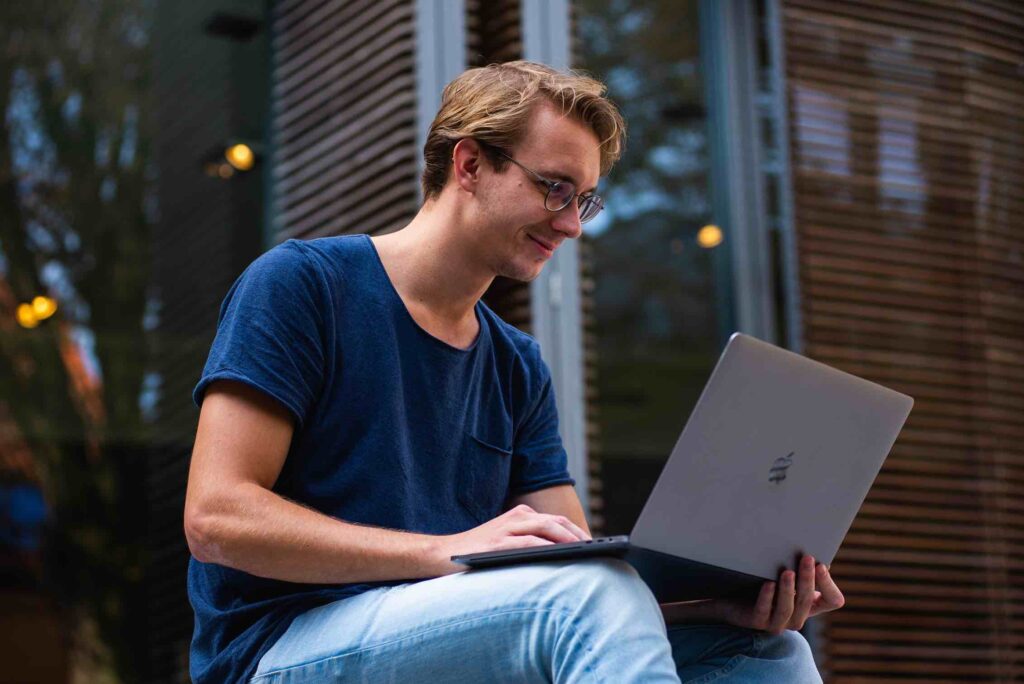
(31, 314)
(44, 307)
(26, 316)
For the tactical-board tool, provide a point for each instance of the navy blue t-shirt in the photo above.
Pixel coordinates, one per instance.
(393, 427)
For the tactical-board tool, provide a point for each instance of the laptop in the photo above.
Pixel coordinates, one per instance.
(774, 462)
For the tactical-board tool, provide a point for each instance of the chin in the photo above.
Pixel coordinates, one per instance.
(520, 273)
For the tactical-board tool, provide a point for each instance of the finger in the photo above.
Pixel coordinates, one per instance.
(804, 593)
(523, 511)
(523, 541)
(831, 597)
(784, 601)
(542, 526)
(762, 611)
(575, 529)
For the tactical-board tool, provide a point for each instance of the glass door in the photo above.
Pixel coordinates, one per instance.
(656, 281)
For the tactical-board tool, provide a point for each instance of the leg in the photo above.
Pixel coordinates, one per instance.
(722, 653)
(585, 621)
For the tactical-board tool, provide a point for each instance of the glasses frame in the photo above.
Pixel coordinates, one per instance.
(581, 199)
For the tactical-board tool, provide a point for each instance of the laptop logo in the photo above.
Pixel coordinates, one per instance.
(777, 473)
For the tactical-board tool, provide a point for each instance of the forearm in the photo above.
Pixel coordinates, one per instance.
(264, 534)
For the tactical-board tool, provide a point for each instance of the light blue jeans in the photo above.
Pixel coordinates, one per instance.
(584, 621)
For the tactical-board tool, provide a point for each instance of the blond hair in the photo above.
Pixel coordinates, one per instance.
(492, 105)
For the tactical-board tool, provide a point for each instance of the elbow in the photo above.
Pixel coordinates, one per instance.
(198, 535)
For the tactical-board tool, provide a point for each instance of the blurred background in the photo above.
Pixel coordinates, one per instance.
(845, 179)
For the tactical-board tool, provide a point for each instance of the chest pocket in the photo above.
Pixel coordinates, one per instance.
(484, 467)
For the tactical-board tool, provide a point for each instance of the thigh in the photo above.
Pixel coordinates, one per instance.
(469, 627)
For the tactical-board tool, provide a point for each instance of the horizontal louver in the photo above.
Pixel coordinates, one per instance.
(344, 116)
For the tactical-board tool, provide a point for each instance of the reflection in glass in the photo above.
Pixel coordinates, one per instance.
(654, 317)
(75, 188)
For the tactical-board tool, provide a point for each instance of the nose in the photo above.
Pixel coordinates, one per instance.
(567, 220)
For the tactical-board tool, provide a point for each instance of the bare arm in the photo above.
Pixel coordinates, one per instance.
(232, 517)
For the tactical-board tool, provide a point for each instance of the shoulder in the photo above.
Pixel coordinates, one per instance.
(289, 259)
(313, 264)
(522, 348)
(282, 272)
(339, 259)
(333, 250)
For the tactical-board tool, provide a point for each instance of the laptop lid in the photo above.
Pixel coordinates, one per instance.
(775, 461)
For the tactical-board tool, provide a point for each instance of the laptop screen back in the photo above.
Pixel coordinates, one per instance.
(775, 461)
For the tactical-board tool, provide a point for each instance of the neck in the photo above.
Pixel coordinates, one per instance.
(435, 264)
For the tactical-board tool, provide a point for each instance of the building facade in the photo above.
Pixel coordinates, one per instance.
(842, 179)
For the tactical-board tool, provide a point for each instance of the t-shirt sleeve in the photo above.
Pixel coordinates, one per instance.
(271, 331)
(538, 457)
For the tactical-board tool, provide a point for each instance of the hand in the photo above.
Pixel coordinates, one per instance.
(785, 604)
(517, 528)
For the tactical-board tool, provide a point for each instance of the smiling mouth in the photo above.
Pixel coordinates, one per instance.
(546, 248)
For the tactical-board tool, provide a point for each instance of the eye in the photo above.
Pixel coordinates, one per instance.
(562, 192)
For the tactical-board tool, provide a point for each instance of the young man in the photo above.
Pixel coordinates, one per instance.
(364, 416)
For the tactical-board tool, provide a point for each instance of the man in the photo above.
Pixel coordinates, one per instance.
(364, 417)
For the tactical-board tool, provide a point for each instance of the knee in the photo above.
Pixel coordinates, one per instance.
(789, 644)
(792, 649)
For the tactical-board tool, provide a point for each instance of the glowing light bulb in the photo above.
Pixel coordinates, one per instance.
(709, 236)
(26, 316)
(43, 307)
(240, 156)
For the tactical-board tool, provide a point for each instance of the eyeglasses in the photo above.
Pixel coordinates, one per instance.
(561, 193)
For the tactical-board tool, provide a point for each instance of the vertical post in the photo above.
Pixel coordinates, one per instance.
(728, 34)
(787, 230)
(440, 57)
(555, 294)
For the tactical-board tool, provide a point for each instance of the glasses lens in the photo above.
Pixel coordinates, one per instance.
(590, 207)
(559, 196)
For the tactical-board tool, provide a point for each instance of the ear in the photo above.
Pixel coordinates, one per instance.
(467, 159)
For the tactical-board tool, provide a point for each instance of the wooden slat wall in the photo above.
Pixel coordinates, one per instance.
(344, 116)
(595, 485)
(907, 130)
(494, 32)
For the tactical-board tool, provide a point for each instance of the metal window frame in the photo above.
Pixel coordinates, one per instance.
(728, 39)
(440, 57)
(555, 299)
(787, 227)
